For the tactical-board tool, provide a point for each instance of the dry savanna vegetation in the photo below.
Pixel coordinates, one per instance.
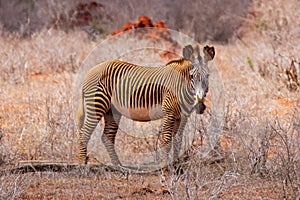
(255, 87)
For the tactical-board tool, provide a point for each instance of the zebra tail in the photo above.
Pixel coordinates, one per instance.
(80, 113)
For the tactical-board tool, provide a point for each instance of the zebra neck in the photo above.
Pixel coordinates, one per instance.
(187, 99)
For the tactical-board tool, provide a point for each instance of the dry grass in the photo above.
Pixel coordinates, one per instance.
(259, 146)
(37, 79)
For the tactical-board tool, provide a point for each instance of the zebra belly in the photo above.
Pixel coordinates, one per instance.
(140, 114)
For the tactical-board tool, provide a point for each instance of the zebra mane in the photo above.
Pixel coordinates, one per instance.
(177, 61)
(180, 64)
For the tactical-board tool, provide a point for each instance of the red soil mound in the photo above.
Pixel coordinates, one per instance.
(159, 33)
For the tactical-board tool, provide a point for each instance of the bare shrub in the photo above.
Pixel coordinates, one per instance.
(216, 20)
(276, 23)
(261, 160)
(36, 114)
(285, 158)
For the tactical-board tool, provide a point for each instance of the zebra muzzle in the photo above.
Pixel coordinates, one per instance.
(200, 107)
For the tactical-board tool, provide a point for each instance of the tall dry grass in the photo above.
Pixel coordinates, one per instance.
(36, 85)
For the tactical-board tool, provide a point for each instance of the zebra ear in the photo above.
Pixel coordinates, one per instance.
(188, 52)
(209, 53)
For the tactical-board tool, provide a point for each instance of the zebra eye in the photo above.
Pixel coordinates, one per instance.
(194, 76)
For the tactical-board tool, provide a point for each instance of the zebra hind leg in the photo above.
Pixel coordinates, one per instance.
(86, 130)
(94, 105)
(112, 120)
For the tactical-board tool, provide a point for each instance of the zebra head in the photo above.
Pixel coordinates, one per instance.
(199, 72)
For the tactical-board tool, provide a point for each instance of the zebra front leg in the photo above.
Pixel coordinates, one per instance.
(112, 120)
(167, 129)
(174, 132)
(178, 138)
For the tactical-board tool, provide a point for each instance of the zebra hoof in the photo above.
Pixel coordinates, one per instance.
(83, 161)
(117, 164)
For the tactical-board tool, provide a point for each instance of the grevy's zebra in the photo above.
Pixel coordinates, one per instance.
(115, 88)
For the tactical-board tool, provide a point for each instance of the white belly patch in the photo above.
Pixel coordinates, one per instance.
(140, 114)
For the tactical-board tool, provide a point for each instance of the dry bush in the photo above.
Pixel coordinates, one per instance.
(36, 112)
(273, 28)
(260, 140)
(216, 20)
(26, 17)
(36, 83)
(261, 160)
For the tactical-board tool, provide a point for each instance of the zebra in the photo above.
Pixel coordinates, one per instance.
(115, 88)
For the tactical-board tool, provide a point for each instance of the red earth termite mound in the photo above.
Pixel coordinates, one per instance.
(154, 32)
